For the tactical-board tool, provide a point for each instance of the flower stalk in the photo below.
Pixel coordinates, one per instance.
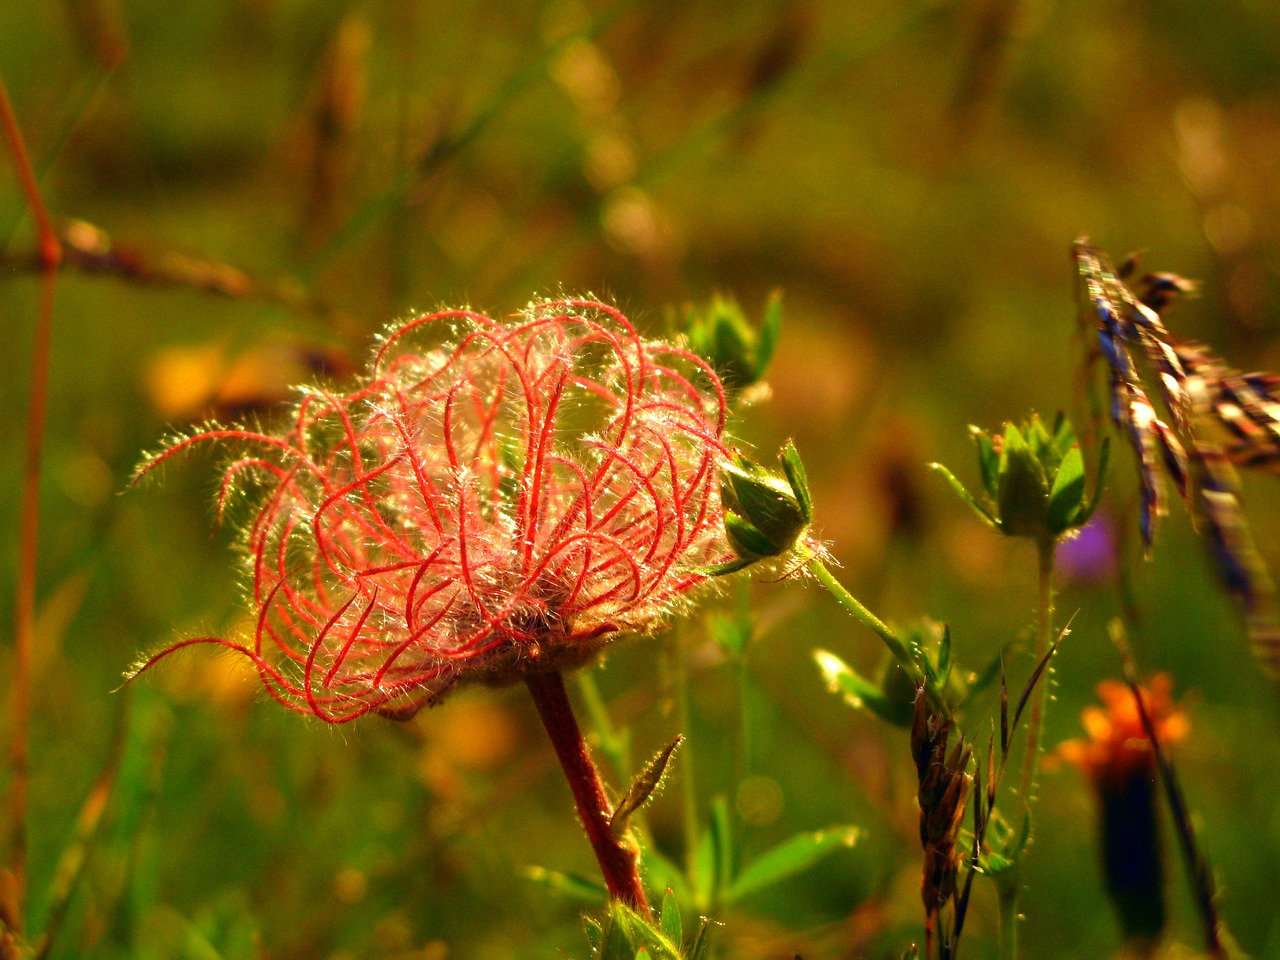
(617, 857)
(1044, 629)
(864, 616)
(29, 524)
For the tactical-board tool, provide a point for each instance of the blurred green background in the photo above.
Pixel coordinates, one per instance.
(281, 178)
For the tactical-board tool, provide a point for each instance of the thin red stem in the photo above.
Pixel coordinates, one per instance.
(617, 860)
(25, 591)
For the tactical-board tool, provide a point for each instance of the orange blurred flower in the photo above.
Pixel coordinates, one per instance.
(1117, 747)
(1118, 760)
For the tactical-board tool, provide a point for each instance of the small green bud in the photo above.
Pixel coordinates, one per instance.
(1034, 480)
(721, 334)
(764, 514)
(1022, 493)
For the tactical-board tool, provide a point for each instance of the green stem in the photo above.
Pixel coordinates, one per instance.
(746, 741)
(1008, 896)
(1008, 887)
(1044, 631)
(684, 707)
(868, 619)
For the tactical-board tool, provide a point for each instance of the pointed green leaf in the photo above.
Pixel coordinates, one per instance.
(1066, 499)
(790, 857)
(926, 664)
(713, 864)
(965, 495)
(857, 691)
(944, 653)
(568, 885)
(731, 353)
(642, 788)
(662, 874)
(670, 918)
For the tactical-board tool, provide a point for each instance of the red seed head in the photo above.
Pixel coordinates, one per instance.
(503, 503)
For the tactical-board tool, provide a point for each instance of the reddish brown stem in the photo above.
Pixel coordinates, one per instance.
(25, 591)
(617, 859)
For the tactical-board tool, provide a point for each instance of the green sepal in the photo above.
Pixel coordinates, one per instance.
(764, 514)
(1067, 497)
(594, 930)
(988, 460)
(626, 935)
(745, 539)
(767, 502)
(1023, 495)
(983, 514)
(793, 467)
(726, 568)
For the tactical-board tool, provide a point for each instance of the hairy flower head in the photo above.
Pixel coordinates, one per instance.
(492, 499)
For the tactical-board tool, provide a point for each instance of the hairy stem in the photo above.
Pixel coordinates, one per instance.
(897, 648)
(1044, 630)
(28, 534)
(617, 859)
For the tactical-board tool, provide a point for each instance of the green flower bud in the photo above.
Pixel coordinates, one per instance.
(1034, 479)
(721, 334)
(764, 514)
